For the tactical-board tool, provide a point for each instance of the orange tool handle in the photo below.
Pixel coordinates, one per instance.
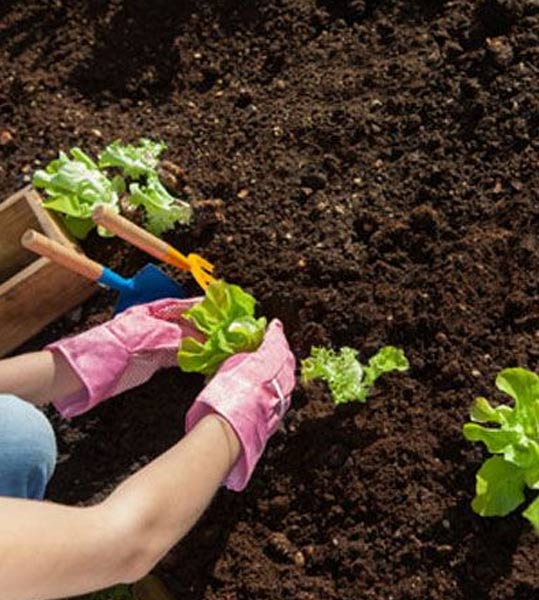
(67, 257)
(103, 215)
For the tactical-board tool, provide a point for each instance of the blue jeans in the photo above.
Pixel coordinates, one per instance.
(27, 449)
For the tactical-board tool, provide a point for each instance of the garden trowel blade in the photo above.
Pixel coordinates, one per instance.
(149, 284)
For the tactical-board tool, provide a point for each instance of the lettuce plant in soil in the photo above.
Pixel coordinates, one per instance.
(162, 210)
(139, 165)
(74, 185)
(226, 317)
(511, 434)
(348, 380)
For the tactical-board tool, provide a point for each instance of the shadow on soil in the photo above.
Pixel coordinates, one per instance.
(132, 47)
(37, 26)
(489, 552)
(189, 569)
(136, 52)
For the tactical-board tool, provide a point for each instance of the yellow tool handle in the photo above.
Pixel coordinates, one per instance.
(103, 215)
(67, 257)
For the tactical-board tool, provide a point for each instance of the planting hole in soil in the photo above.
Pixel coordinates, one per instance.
(368, 171)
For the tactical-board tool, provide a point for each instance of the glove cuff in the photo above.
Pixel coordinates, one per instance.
(98, 370)
(241, 471)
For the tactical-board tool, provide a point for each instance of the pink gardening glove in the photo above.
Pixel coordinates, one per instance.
(123, 352)
(252, 392)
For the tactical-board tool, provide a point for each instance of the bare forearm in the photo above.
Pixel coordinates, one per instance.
(50, 551)
(38, 377)
(171, 493)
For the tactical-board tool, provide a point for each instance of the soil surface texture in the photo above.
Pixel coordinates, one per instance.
(379, 171)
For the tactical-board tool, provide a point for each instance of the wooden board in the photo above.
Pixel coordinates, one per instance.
(16, 215)
(36, 296)
(33, 290)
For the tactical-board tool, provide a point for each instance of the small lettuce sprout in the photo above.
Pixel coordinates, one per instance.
(348, 380)
(134, 161)
(163, 211)
(74, 185)
(226, 318)
(512, 435)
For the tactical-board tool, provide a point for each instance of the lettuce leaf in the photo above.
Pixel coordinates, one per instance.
(226, 318)
(499, 488)
(73, 186)
(512, 435)
(134, 161)
(386, 360)
(348, 380)
(163, 211)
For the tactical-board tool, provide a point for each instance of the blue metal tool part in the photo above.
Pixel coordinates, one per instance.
(150, 283)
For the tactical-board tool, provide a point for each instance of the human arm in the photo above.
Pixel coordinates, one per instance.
(38, 377)
(49, 550)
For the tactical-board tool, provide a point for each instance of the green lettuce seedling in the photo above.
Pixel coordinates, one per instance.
(134, 161)
(73, 186)
(226, 318)
(162, 210)
(348, 380)
(511, 433)
(139, 163)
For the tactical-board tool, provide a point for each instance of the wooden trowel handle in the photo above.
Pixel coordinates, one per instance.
(67, 257)
(103, 215)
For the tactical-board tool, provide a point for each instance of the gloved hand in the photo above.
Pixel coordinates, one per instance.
(252, 392)
(123, 352)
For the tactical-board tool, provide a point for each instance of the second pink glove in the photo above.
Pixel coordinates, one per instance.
(252, 392)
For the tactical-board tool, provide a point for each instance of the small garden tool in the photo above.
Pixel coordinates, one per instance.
(200, 268)
(150, 283)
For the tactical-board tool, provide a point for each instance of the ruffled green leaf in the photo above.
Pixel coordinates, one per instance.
(134, 161)
(386, 360)
(512, 435)
(531, 476)
(222, 304)
(196, 357)
(497, 441)
(345, 376)
(342, 372)
(242, 335)
(499, 488)
(80, 228)
(523, 386)
(226, 317)
(163, 211)
(483, 412)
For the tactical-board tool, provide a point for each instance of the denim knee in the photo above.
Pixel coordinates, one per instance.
(27, 449)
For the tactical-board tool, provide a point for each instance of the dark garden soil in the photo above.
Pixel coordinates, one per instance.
(378, 163)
